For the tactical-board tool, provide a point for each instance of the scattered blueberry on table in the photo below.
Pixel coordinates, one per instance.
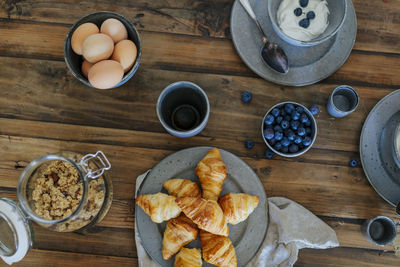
(353, 163)
(269, 154)
(310, 15)
(298, 11)
(249, 144)
(287, 128)
(303, 3)
(314, 110)
(246, 97)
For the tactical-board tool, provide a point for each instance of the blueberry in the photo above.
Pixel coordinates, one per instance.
(269, 154)
(298, 12)
(275, 112)
(295, 115)
(310, 15)
(285, 149)
(353, 163)
(297, 139)
(294, 125)
(303, 118)
(249, 144)
(278, 146)
(284, 124)
(303, 3)
(278, 136)
(289, 108)
(301, 131)
(279, 119)
(314, 110)
(293, 148)
(305, 23)
(283, 112)
(285, 141)
(269, 119)
(272, 141)
(246, 97)
(307, 123)
(308, 131)
(307, 141)
(290, 135)
(278, 128)
(269, 133)
(299, 109)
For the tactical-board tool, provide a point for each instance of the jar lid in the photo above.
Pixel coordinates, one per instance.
(17, 239)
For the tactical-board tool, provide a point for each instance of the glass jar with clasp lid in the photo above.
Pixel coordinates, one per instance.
(63, 192)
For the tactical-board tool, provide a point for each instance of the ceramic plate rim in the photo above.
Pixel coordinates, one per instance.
(282, 80)
(263, 197)
(362, 137)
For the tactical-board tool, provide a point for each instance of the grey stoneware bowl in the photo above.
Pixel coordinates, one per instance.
(313, 131)
(74, 61)
(396, 145)
(337, 9)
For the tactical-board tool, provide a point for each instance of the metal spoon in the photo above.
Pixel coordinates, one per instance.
(272, 53)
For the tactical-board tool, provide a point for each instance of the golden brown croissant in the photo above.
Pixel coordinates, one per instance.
(212, 173)
(217, 250)
(182, 188)
(237, 207)
(188, 258)
(207, 214)
(160, 207)
(187, 220)
(177, 234)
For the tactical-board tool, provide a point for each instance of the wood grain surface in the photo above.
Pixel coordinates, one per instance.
(44, 109)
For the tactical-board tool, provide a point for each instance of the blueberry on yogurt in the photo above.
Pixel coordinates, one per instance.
(310, 15)
(303, 3)
(298, 11)
(305, 23)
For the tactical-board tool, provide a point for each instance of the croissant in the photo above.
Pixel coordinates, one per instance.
(187, 220)
(207, 214)
(182, 188)
(218, 250)
(188, 258)
(212, 173)
(177, 234)
(160, 207)
(237, 207)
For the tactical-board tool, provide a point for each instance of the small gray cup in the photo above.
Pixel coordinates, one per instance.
(342, 101)
(183, 109)
(379, 230)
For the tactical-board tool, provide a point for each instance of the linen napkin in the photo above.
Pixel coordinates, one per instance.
(291, 227)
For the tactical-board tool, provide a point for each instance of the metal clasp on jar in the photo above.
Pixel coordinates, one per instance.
(93, 174)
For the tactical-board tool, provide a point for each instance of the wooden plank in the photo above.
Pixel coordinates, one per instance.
(314, 185)
(378, 21)
(346, 257)
(49, 258)
(185, 53)
(63, 99)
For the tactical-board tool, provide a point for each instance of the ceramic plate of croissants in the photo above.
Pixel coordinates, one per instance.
(201, 206)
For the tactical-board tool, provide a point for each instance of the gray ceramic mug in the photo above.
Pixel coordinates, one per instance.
(343, 101)
(183, 109)
(380, 230)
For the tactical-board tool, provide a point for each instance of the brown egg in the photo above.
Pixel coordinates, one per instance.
(115, 29)
(105, 74)
(97, 47)
(86, 65)
(125, 52)
(80, 34)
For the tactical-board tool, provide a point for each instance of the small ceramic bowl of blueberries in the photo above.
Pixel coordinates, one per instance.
(289, 129)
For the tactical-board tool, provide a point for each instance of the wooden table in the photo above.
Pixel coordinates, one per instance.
(44, 109)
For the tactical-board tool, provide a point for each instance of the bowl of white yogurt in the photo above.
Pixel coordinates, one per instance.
(306, 22)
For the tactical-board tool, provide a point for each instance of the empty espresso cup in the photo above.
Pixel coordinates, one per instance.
(379, 230)
(343, 101)
(183, 109)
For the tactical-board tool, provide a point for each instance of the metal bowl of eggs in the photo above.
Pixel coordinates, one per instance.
(103, 50)
(306, 23)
